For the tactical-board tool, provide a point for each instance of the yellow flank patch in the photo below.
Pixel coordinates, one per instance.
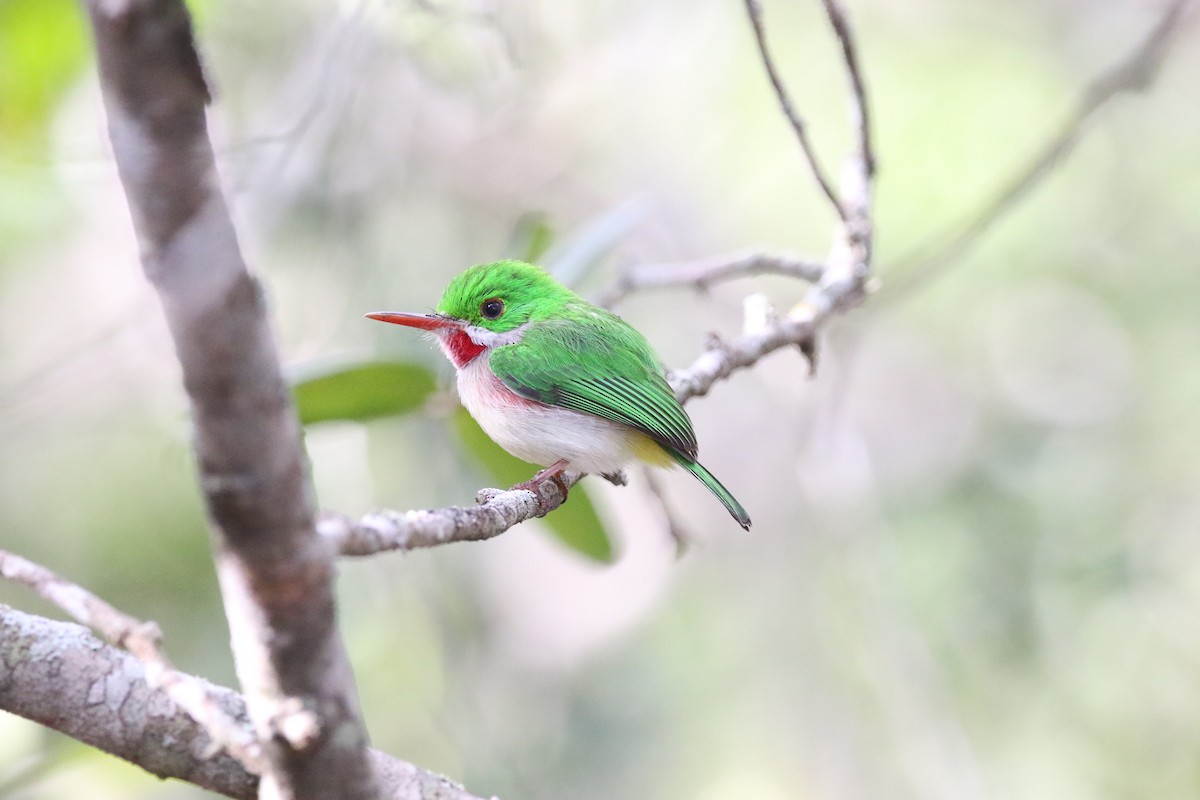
(646, 449)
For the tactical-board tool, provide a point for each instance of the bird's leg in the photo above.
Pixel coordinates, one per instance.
(551, 473)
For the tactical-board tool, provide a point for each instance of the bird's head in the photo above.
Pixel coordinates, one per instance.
(488, 306)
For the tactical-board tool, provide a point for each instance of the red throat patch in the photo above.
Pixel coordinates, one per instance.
(461, 349)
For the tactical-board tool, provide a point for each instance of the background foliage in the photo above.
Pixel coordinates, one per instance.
(974, 566)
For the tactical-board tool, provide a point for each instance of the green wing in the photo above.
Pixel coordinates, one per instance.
(611, 374)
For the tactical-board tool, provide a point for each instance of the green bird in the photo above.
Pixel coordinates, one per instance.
(557, 381)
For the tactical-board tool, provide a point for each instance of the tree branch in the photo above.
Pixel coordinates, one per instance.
(704, 273)
(142, 639)
(59, 675)
(276, 574)
(409, 530)
(860, 117)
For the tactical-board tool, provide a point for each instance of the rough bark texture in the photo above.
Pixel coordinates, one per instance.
(60, 675)
(276, 573)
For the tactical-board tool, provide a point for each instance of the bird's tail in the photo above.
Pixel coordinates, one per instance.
(714, 486)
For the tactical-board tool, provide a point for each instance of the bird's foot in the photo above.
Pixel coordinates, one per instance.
(551, 473)
(616, 478)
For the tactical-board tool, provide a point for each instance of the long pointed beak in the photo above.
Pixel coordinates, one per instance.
(426, 322)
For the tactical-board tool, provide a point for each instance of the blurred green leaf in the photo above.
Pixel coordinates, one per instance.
(575, 523)
(41, 52)
(362, 391)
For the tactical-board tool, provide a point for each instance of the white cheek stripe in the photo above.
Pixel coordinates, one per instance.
(486, 338)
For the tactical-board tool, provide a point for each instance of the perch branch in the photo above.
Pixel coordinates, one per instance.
(276, 574)
(496, 512)
(61, 676)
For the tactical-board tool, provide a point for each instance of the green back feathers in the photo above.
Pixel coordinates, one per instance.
(599, 366)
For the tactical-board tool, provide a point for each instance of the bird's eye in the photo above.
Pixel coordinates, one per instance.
(492, 308)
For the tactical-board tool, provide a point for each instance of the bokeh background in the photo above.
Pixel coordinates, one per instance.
(975, 566)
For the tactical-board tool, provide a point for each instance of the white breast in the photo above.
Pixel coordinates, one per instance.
(539, 433)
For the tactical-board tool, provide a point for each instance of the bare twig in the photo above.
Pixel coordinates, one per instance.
(276, 574)
(849, 263)
(142, 639)
(721, 359)
(859, 112)
(1135, 73)
(850, 255)
(675, 526)
(702, 274)
(58, 674)
(754, 11)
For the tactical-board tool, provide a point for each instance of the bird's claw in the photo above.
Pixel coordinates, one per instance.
(551, 473)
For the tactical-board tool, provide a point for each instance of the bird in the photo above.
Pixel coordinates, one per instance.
(557, 381)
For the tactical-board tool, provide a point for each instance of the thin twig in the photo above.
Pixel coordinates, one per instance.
(702, 274)
(860, 113)
(1135, 73)
(675, 526)
(721, 359)
(754, 11)
(142, 640)
(850, 256)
